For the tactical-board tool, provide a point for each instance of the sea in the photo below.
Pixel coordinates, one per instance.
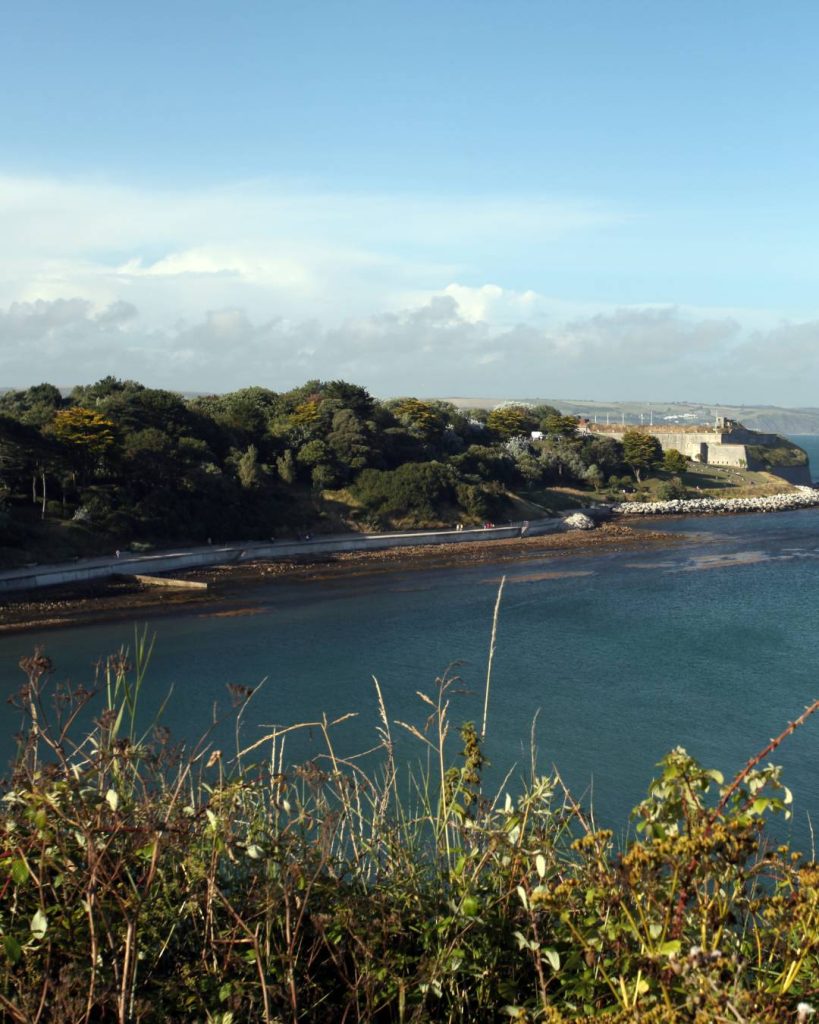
(603, 663)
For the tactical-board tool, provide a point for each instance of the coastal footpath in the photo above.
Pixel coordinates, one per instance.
(128, 563)
(800, 497)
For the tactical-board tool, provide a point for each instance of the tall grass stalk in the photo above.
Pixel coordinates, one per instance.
(141, 883)
(491, 658)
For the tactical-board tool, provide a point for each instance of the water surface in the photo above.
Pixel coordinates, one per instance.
(620, 656)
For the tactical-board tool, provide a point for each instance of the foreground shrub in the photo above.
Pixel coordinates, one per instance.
(143, 884)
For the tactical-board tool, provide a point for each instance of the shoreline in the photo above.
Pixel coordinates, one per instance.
(231, 587)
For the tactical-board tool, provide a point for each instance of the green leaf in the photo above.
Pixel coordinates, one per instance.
(112, 799)
(19, 871)
(11, 947)
(672, 946)
(254, 852)
(470, 906)
(540, 864)
(554, 959)
(39, 925)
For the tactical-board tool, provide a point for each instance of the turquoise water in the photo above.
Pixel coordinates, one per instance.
(810, 442)
(711, 644)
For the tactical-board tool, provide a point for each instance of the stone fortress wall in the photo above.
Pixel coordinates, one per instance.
(725, 444)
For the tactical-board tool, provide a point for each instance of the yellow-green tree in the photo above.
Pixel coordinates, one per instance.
(87, 436)
(423, 419)
(510, 421)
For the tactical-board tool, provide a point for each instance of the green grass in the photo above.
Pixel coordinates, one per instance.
(559, 499)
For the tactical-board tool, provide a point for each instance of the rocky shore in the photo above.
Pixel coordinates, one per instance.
(799, 497)
(237, 587)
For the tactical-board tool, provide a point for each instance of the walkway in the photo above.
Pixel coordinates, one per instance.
(129, 563)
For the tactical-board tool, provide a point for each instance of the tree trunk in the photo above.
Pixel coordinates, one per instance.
(43, 513)
(33, 488)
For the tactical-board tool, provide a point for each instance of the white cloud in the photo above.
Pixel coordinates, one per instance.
(429, 349)
(212, 289)
(271, 249)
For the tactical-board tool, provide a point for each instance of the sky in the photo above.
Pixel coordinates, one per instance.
(533, 198)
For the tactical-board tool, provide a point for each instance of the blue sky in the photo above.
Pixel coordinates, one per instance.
(585, 199)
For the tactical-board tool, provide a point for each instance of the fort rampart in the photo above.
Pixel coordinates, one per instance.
(726, 444)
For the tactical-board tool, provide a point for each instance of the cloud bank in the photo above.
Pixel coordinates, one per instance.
(435, 348)
(215, 289)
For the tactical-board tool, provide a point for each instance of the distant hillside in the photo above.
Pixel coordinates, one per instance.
(768, 418)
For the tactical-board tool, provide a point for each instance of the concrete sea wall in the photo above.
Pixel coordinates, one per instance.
(34, 577)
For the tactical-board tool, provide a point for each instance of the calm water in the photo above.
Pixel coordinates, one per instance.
(810, 442)
(712, 644)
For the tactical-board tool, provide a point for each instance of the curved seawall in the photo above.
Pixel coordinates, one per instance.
(128, 564)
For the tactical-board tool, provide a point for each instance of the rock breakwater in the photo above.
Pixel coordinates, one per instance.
(800, 497)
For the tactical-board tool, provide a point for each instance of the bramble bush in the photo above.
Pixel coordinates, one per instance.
(142, 882)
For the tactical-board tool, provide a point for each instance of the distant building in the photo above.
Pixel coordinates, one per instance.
(537, 435)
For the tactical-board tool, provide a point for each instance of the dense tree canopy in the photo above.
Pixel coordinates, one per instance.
(138, 463)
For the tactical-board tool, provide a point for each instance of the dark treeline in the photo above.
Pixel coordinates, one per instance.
(134, 464)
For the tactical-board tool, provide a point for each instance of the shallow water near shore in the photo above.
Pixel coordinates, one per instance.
(618, 655)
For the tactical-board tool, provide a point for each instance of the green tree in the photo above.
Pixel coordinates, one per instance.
(349, 441)
(604, 452)
(510, 421)
(350, 396)
(559, 426)
(423, 419)
(323, 476)
(417, 491)
(672, 489)
(35, 406)
(286, 466)
(674, 461)
(314, 453)
(641, 451)
(247, 411)
(247, 468)
(91, 395)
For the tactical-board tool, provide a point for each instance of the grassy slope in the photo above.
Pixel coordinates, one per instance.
(701, 481)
